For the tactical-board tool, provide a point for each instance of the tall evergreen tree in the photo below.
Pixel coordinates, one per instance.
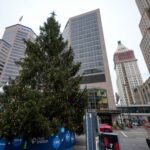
(46, 95)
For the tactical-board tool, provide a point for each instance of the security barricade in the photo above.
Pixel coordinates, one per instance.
(64, 140)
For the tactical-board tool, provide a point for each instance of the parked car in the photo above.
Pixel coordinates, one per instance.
(135, 123)
(105, 128)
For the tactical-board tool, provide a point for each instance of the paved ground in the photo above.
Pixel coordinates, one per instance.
(133, 139)
(80, 143)
(129, 139)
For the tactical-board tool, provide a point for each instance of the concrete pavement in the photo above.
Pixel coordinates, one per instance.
(80, 143)
(129, 139)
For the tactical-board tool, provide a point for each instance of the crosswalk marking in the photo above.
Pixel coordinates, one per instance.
(124, 134)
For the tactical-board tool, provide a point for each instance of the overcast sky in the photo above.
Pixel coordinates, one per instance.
(120, 20)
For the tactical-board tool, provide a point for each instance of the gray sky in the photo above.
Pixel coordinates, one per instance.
(120, 20)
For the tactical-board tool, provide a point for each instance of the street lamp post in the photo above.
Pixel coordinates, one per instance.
(121, 112)
(127, 102)
(90, 118)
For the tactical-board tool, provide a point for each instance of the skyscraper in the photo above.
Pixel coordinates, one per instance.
(85, 35)
(128, 74)
(144, 8)
(12, 48)
(4, 50)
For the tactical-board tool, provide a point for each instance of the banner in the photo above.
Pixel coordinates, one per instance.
(64, 140)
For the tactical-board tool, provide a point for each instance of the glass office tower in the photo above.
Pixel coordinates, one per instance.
(85, 35)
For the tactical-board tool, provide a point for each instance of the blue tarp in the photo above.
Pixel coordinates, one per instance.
(64, 140)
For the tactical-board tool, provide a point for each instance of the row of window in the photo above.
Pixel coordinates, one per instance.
(5, 45)
(134, 109)
(18, 47)
(87, 36)
(7, 76)
(21, 33)
(11, 66)
(85, 45)
(2, 59)
(5, 48)
(12, 71)
(86, 39)
(24, 29)
(145, 42)
(90, 59)
(78, 52)
(92, 65)
(144, 24)
(142, 5)
(88, 54)
(83, 26)
(19, 44)
(79, 32)
(93, 70)
(85, 18)
(3, 54)
(81, 47)
(86, 42)
(17, 53)
(18, 40)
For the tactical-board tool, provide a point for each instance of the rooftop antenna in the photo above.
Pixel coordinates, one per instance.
(20, 19)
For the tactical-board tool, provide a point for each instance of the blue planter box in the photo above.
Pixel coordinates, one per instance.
(64, 140)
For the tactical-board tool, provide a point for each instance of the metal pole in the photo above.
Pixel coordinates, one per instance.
(121, 112)
(128, 113)
(90, 132)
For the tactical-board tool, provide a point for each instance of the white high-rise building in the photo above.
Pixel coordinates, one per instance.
(128, 74)
(12, 48)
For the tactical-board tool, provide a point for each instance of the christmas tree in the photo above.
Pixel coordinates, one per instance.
(46, 95)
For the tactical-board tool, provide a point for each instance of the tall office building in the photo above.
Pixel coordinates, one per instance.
(12, 48)
(85, 35)
(128, 74)
(144, 8)
(142, 93)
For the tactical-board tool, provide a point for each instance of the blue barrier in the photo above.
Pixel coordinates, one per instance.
(64, 140)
